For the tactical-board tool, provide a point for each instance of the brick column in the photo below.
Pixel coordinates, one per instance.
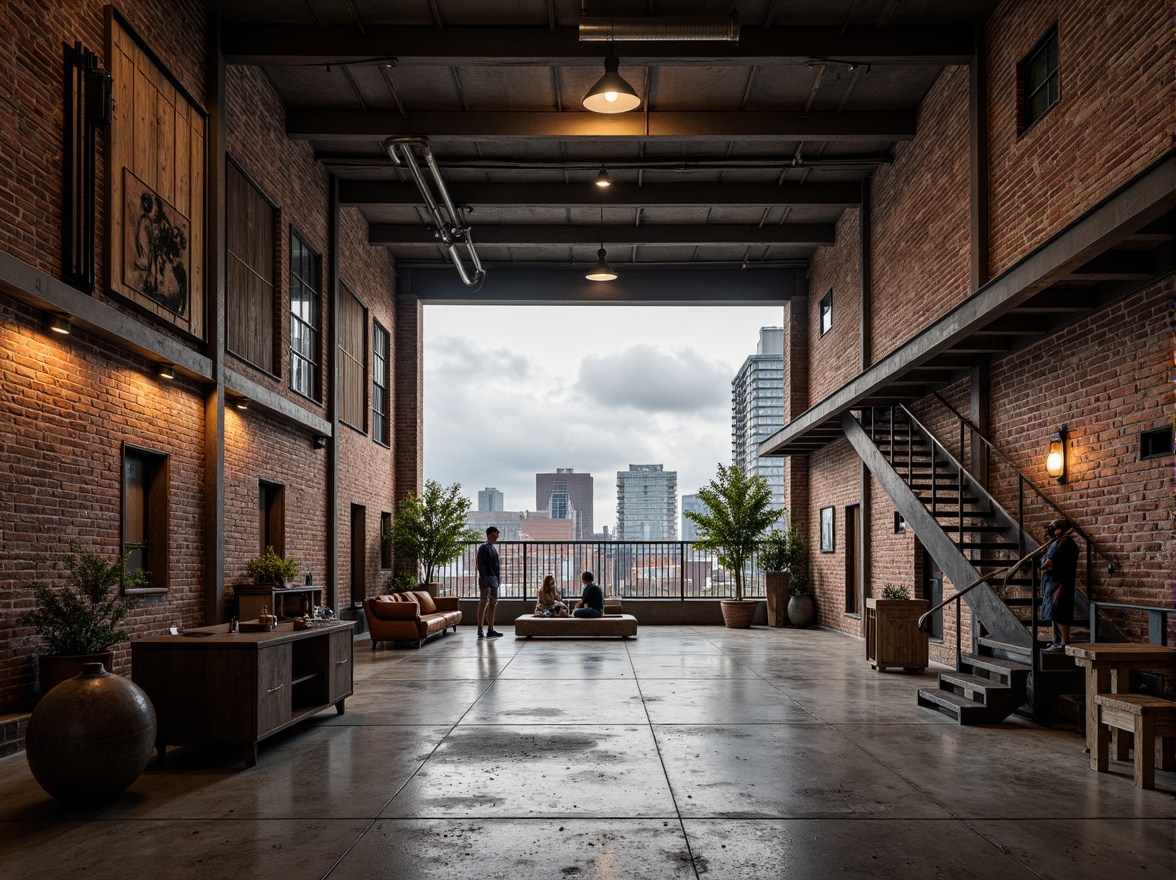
(408, 382)
(796, 401)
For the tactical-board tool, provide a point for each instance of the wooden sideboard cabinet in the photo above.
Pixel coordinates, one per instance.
(222, 687)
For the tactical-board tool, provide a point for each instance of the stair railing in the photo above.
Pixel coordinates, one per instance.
(1004, 574)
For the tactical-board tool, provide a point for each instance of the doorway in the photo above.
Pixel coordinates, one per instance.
(358, 554)
(853, 560)
(933, 590)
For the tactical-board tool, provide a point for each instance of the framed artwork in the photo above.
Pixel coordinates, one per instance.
(155, 186)
(827, 542)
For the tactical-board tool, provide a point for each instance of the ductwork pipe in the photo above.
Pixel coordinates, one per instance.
(661, 29)
(447, 220)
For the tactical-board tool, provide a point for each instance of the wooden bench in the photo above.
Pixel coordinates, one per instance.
(1145, 716)
(622, 625)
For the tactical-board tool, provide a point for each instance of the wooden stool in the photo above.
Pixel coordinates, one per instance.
(1145, 716)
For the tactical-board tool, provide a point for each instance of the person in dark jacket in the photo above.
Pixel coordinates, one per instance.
(591, 599)
(488, 574)
(1059, 570)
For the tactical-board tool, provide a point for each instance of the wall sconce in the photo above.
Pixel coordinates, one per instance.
(166, 371)
(60, 324)
(242, 403)
(320, 442)
(1056, 464)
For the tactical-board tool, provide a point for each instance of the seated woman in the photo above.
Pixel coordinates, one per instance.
(591, 600)
(549, 604)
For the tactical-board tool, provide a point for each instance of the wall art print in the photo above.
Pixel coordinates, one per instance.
(156, 246)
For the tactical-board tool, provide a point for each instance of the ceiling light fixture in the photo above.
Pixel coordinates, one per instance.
(602, 179)
(601, 271)
(60, 324)
(611, 94)
(242, 403)
(166, 371)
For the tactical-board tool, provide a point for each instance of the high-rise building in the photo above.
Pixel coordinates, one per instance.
(647, 503)
(757, 410)
(489, 499)
(689, 529)
(566, 494)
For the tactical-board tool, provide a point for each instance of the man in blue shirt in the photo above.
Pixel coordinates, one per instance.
(591, 600)
(488, 575)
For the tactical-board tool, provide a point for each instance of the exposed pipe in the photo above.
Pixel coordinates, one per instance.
(661, 29)
(447, 219)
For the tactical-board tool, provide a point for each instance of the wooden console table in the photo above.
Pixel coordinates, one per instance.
(285, 602)
(222, 687)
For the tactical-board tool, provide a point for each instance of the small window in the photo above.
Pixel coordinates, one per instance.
(899, 524)
(826, 312)
(380, 342)
(145, 514)
(272, 516)
(304, 317)
(352, 359)
(1156, 443)
(385, 541)
(1039, 79)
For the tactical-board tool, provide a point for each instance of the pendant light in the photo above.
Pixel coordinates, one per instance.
(601, 271)
(602, 179)
(611, 94)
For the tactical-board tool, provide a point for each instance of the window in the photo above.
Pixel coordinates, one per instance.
(249, 304)
(826, 312)
(1038, 73)
(1156, 443)
(304, 317)
(380, 384)
(827, 539)
(385, 540)
(899, 524)
(352, 358)
(272, 516)
(144, 520)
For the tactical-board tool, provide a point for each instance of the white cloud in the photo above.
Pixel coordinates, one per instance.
(645, 379)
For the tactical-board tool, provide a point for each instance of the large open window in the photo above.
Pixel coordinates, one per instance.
(249, 303)
(304, 317)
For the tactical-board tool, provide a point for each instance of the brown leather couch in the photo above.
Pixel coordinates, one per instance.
(410, 616)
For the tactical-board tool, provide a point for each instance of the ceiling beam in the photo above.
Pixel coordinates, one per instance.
(495, 47)
(883, 125)
(560, 195)
(692, 235)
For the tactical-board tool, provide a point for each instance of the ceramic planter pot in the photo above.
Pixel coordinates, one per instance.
(776, 584)
(56, 668)
(738, 613)
(800, 611)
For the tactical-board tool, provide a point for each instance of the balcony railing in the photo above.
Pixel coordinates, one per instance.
(629, 569)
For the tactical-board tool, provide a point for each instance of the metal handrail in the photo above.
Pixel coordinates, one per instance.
(1008, 571)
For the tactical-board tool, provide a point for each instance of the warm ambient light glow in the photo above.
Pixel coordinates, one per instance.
(602, 179)
(165, 371)
(60, 325)
(611, 94)
(602, 271)
(242, 403)
(1055, 460)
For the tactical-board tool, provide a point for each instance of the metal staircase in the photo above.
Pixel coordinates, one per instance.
(975, 541)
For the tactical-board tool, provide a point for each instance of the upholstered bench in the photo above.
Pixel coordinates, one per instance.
(614, 625)
(1145, 716)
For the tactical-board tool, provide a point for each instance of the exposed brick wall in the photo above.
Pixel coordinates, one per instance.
(410, 418)
(369, 477)
(919, 228)
(833, 482)
(836, 268)
(70, 405)
(1113, 117)
(796, 358)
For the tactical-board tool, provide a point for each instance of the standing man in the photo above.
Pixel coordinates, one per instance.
(488, 574)
(1059, 570)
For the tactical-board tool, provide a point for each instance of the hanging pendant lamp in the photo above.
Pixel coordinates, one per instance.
(601, 271)
(611, 94)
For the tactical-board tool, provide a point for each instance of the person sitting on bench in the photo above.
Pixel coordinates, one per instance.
(550, 602)
(591, 602)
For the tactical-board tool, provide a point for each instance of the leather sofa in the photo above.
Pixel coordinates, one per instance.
(410, 616)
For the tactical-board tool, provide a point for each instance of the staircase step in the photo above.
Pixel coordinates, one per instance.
(999, 665)
(988, 545)
(976, 683)
(950, 703)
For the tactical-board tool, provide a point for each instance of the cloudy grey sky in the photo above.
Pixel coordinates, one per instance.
(514, 391)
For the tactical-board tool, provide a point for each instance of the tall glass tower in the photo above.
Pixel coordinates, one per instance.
(647, 503)
(757, 410)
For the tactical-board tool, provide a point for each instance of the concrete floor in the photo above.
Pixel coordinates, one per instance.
(689, 752)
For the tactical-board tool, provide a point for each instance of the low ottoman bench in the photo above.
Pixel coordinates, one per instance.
(615, 625)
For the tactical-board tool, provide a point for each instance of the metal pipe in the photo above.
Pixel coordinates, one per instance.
(660, 29)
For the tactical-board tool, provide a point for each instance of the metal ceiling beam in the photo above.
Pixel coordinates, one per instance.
(635, 285)
(882, 125)
(560, 195)
(692, 235)
(495, 47)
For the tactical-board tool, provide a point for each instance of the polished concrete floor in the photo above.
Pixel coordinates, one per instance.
(688, 752)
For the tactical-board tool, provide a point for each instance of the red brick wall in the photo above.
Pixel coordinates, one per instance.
(836, 268)
(919, 228)
(1113, 117)
(70, 404)
(369, 476)
(833, 482)
(409, 424)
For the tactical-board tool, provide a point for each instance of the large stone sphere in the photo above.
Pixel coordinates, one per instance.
(90, 737)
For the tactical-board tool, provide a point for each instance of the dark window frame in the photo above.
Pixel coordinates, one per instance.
(313, 360)
(353, 365)
(825, 309)
(155, 516)
(271, 521)
(385, 542)
(234, 259)
(1039, 77)
(1156, 443)
(381, 385)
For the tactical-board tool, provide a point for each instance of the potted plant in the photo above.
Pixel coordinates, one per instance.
(801, 610)
(79, 622)
(780, 553)
(431, 529)
(270, 568)
(738, 512)
(893, 637)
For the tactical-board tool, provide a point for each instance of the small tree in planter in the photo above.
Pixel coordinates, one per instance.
(738, 512)
(781, 556)
(270, 568)
(431, 528)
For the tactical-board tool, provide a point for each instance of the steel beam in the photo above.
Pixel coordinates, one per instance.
(266, 43)
(560, 195)
(686, 235)
(869, 125)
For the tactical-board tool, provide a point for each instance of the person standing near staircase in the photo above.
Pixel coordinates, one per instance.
(1059, 568)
